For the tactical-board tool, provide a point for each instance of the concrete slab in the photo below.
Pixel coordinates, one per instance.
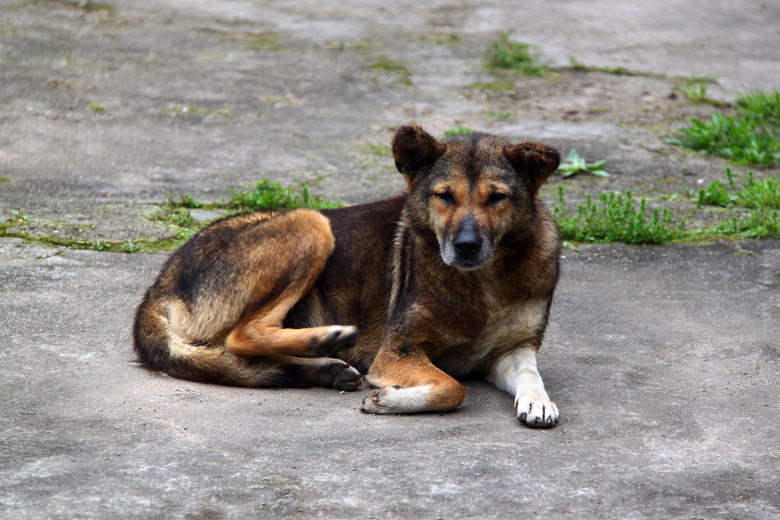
(664, 360)
(668, 390)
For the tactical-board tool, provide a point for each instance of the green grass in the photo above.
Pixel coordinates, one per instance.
(615, 218)
(763, 108)
(385, 64)
(498, 116)
(694, 89)
(577, 165)
(378, 150)
(458, 130)
(751, 136)
(506, 54)
(577, 65)
(753, 194)
(761, 197)
(97, 107)
(498, 85)
(4, 180)
(272, 195)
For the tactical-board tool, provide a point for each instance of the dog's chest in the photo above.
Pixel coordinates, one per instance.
(504, 328)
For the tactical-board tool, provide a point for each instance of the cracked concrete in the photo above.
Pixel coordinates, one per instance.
(663, 360)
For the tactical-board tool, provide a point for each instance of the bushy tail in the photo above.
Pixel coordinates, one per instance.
(160, 347)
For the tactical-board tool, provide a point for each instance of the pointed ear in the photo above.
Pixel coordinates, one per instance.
(534, 161)
(414, 150)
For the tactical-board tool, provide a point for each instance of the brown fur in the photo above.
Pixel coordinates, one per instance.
(440, 282)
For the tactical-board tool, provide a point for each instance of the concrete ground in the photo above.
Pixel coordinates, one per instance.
(663, 360)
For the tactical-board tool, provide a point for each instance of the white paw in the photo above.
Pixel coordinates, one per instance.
(536, 410)
(396, 399)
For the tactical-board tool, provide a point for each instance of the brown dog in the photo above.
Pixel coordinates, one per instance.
(452, 278)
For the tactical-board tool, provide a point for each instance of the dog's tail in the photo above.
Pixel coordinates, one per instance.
(161, 347)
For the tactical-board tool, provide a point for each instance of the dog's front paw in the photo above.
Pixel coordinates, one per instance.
(340, 376)
(381, 400)
(338, 338)
(536, 410)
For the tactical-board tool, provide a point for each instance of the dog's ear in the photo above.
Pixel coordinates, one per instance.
(414, 150)
(534, 161)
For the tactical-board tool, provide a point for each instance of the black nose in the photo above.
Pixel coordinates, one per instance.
(466, 242)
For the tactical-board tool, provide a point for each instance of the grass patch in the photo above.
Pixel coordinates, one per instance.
(752, 136)
(4, 180)
(498, 116)
(761, 197)
(458, 130)
(615, 218)
(577, 165)
(506, 54)
(753, 194)
(378, 150)
(577, 65)
(272, 195)
(499, 85)
(694, 89)
(97, 107)
(384, 64)
(255, 40)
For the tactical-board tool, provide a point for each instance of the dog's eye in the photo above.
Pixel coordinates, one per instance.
(496, 198)
(445, 197)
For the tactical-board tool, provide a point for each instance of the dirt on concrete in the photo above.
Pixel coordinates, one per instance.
(663, 360)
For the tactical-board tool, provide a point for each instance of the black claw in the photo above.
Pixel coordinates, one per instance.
(396, 386)
(538, 420)
(523, 416)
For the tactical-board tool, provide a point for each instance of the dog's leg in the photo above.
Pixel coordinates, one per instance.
(286, 272)
(410, 386)
(326, 372)
(516, 374)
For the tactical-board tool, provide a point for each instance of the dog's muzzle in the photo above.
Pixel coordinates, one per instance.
(466, 249)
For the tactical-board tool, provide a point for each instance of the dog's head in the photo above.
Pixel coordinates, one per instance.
(470, 191)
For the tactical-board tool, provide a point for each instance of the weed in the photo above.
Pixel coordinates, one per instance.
(4, 180)
(695, 92)
(499, 85)
(272, 195)
(379, 150)
(577, 165)
(754, 194)
(184, 201)
(458, 130)
(752, 136)
(17, 217)
(130, 246)
(498, 116)
(578, 65)
(615, 219)
(385, 64)
(97, 107)
(759, 223)
(694, 88)
(506, 54)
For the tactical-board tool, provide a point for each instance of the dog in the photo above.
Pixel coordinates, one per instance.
(452, 278)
